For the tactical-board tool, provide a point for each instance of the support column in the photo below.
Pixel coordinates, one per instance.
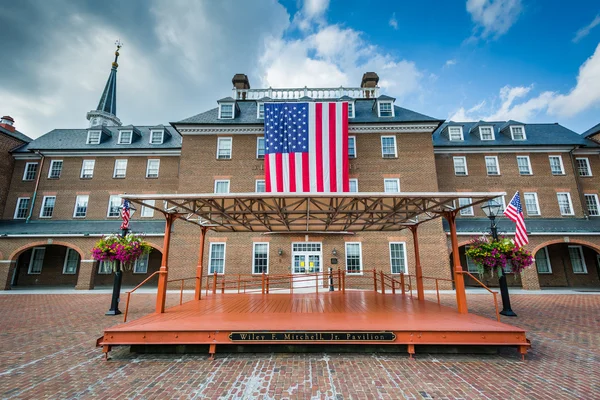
(198, 294)
(161, 295)
(459, 280)
(418, 269)
(86, 275)
(7, 268)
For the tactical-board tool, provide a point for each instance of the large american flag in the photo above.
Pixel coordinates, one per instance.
(514, 212)
(306, 147)
(125, 214)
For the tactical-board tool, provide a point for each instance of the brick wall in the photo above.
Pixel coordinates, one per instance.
(7, 162)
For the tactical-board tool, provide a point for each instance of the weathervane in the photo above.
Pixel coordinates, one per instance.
(119, 44)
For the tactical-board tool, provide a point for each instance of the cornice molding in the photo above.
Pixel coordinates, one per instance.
(503, 149)
(259, 130)
(85, 153)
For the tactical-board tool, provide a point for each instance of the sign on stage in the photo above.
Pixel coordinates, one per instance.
(300, 336)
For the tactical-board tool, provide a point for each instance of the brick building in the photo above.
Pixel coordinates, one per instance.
(62, 192)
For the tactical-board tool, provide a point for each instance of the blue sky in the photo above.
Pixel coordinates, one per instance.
(533, 61)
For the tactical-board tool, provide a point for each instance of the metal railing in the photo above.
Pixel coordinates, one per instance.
(495, 294)
(315, 93)
(136, 288)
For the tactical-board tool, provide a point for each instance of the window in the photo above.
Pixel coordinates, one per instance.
(260, 111)
(468, 211)
(350, 109)
(517, 133)
(120, 168)
(71, 262)
(87, 169)
(353, 258)
(583, 167)
(391, 185)
(125, 137)
(398, 257)
(141, 264)
(388, 147)
(556, 165)
(259, 186)
(455, 133)
(542, 261)
(152, 168)
(114, 206)
(471, 266)
(81, 205)
(386, 109)
(486, 133)
(22, 208)
(216, 258)
(221, 186)
(564, 203)
(104, 267)
(147, 212)
(577, 260)
(491, 165)
(55, 169)
(460, 166)
(351, 146)
(37, 260)
(30, 171)
(93, 137)
(591, 201)
(524, 165)
(223, 148)
(157, 136)
(226, 111)
(260, 258)
(531, 203)
(47, 206)
(260, 148)
(353, 185)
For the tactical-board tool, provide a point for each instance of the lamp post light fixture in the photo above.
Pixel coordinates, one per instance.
(280, 251)
(492, 209)
(334, 252)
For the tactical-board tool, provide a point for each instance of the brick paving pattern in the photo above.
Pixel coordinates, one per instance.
(48, 351)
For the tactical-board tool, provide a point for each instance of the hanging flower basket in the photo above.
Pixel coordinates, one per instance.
(123, 249)
(494, 255)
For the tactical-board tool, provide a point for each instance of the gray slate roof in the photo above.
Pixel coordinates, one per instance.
(592, 131)
(16, 134)
(534, 225)
(364, 112)
(537, 135)
(78, 227)
(75, 139)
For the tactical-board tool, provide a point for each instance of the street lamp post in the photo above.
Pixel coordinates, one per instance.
(492, 209)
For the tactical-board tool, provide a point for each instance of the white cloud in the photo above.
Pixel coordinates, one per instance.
(450, 62)
(583, 32)
(310, 12)
(393, 21)
(493, 18)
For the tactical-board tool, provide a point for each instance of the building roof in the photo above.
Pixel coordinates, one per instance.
(16, 134)
(536, 135)
(77, 227)
(592, 131)
(534, 225)
(75, 139)
(364, 112)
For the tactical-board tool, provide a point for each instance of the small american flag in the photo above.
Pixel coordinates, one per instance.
(306, 147)
(125, 214)
(514, 212)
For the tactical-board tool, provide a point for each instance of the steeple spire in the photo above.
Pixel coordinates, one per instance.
(106, 112)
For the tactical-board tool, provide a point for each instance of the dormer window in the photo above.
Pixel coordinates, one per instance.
(226, 111)
(517, 133)
(486, 133)
(93, 137)
(125, 137)
(157, 136)
(260, 110)
(385, 109)
(455, 133)
(350, 109)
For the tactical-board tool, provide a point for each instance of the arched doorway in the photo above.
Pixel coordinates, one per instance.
(568, 265)
(513, 280)
(142, 269)
(46, 265)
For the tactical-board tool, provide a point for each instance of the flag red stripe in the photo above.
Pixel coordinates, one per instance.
(292, 161)
(332, 148)
(279, 171)
(319, 144)
(344, 144)
(305, 173)
(267, 174)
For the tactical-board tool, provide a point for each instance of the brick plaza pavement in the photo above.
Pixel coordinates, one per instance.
(47, 351)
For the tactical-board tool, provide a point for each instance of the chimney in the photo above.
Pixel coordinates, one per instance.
(7, 123)
(369, 80)
(240, 81)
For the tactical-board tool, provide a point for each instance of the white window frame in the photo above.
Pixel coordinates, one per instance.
(144, 257)
(256, 183)
(568, 194)
(66, 262)
(121, 141)
(353, 139)
(395, 180)
(117, 161)
(583, 264)
(349, 186)
(491, 128)
(254, 257)
(587, 166)
(360, 258)
(560, 160)
(27, 170)
(87, 202)
(464, 159)
(217, 181)
(545, 250)
(44, 205)
(110, 202)
(103, 268)
(512, 132)
(460, 132)
(152, 160)
(210, 257)
(223, 139)
(405, 266)
(18, 207)
(83, 168)
(31, 260)
(395, 155)
(537, 204)
(351, 109)
(595, 197)
(495, 158)
(471, 266)
(528, 165)
(147, 212)
(91, 137)
(221, 110)
(381, 103)
(162, 136)
(258, 155)
(466, 212)
(259, 105)
(62, 164)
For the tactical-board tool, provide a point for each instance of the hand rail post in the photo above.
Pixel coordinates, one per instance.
(127, 307)
(410, 286)
(496, 305)
(223, 284)
(402, 284)
(317, 282)
(263, 283)
(207, 284)
(437, 290)
(214, 285)
(375, 280)
(267, 284)
(344, 282)
(382, 282)
(393, 285)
